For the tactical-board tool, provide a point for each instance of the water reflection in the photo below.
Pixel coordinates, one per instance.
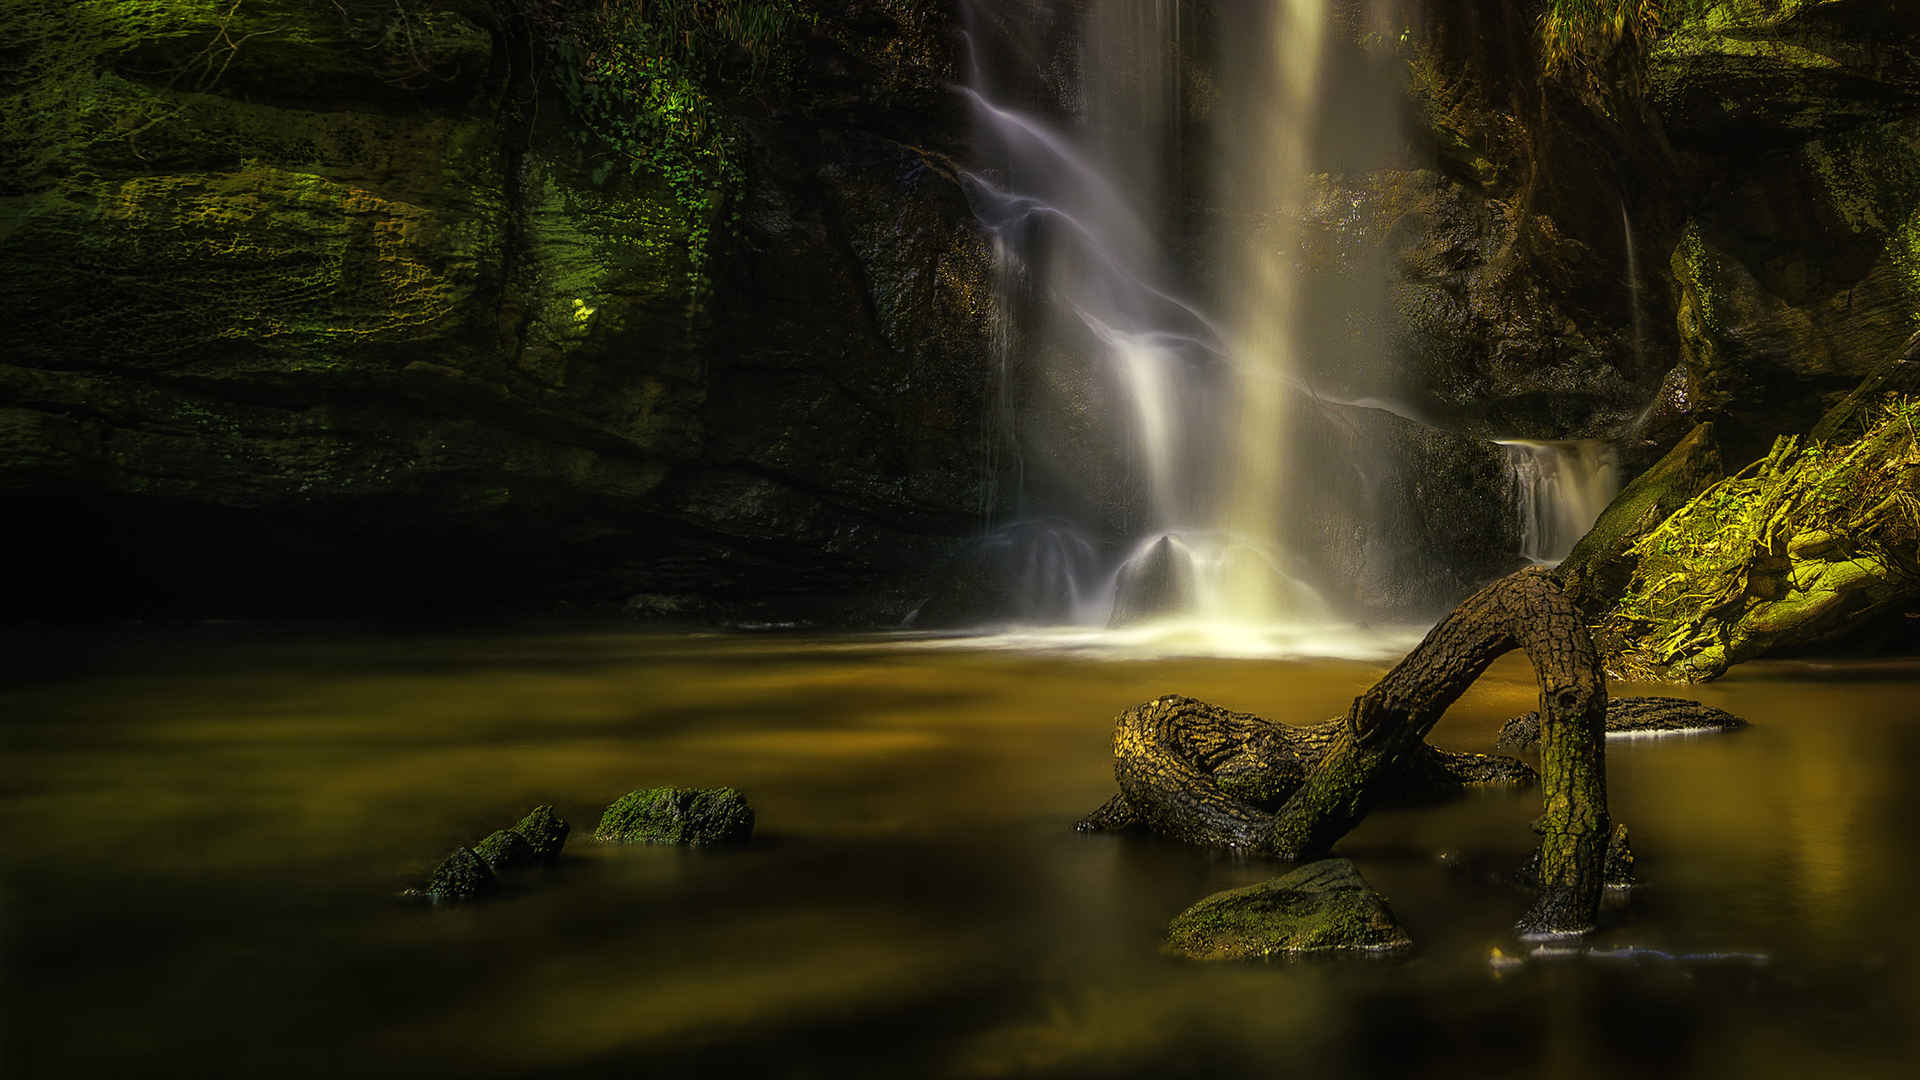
(203, 840)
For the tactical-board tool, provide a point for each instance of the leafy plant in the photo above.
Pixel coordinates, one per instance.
(642, 77)
(1578, 36)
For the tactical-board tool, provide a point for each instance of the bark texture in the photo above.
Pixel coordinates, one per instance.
(1208, 776)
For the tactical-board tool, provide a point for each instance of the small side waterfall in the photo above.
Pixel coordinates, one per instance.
(1559, 491)
(1633, 290)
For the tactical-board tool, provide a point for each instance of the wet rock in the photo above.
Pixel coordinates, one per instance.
(1700, 601)
(505, 851)
(1599, 566)
(1159, 581)
(462, 876)
(1032, 571)
(388, 319)
(1629, 717)
(1771, 71)
(670, 815)
(1324, 906)
(544, 832)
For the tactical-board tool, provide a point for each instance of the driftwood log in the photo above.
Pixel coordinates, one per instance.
(1204, 775)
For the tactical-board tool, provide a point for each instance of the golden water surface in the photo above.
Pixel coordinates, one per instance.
(201, 838)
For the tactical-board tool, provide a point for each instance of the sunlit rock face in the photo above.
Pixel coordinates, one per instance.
(353, 314)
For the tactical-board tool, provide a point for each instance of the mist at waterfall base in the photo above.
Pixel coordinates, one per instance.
(1189, 453)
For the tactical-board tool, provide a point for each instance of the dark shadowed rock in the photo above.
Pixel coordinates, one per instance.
(544, 832)
(670, 815)
(1159, 581)
(1324, 906)
(506, 851)
(1631, 716)
(462, 876)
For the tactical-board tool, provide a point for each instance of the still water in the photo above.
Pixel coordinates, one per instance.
(203, 838)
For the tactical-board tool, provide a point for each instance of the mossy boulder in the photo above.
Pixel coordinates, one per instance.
(505, 851)
(544, 832)
(1322, 907)
(669, 815)
(461, 876)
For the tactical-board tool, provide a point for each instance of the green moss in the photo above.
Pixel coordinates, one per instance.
(668, 815)
(643, 80)
(1903, 248)
(1778, 554)
(1323, 906)
(1600, 564)
(544, 832)
(1581, 36)
(462, 876)
(505, 851)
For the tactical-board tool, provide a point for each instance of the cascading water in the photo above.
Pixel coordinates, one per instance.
(1559, 491)
(1080, 124)
(1633, 290)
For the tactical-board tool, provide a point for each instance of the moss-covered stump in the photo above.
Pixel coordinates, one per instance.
(694, 817)
(461, 876)
(1618, 873)
(1321, 907)
(1801, 545)
(544, 832)
(1630, 718)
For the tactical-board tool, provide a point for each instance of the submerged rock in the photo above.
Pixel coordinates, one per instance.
(1628, 717)
(668, 815)
(1324, 906)
(463, 875)
(544, 832)
(473, 872)
(505, 851)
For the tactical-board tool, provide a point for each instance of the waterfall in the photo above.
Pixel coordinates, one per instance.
(1187, 374)
(1559, 491)
(1633, 291)
(1272, 69)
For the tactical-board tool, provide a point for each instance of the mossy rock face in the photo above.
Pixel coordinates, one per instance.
(544, 832)
(462, 876)
(323, 266)
(669, 815)
(1808, 542)
(505, 851)
(1322, 907)
(1780, 69)
(1600, 565)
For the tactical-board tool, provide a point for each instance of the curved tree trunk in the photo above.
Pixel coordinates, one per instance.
(1208, 776)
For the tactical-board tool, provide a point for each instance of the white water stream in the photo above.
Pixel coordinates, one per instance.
(1190, 378)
